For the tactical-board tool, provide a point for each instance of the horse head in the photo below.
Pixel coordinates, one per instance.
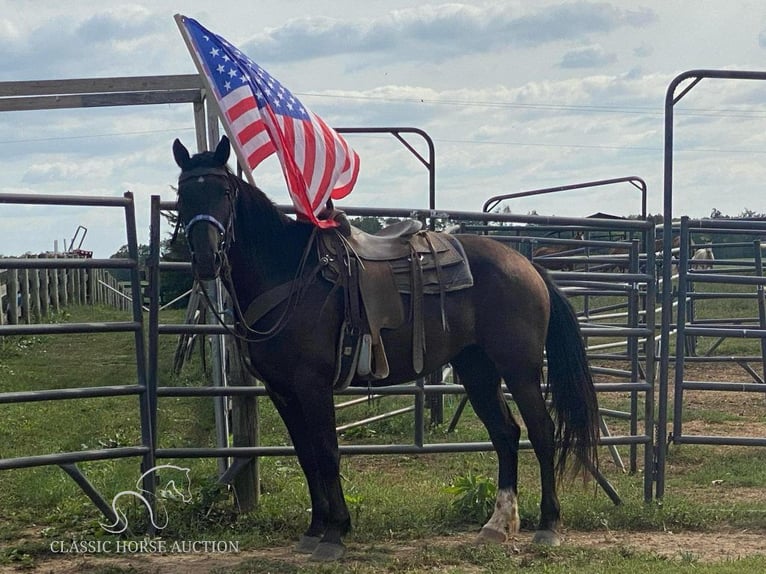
(207, 191)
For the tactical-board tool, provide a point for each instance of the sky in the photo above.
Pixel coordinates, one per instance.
(515, 95)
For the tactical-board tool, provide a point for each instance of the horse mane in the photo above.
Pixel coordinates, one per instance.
(257, 215)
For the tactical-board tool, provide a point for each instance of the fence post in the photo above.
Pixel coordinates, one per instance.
(34, 294)
(70, 278)
(13, 296)
(63, 279)
(244, 428)
(44, 290)
(3, 295)
(24, 288)
(91, 280)
(82, 295)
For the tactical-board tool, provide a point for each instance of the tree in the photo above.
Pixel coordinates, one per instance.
(366, 223)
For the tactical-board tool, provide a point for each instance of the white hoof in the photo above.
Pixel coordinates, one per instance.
(491, 536)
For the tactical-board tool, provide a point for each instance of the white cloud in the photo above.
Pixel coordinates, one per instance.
(516, 95)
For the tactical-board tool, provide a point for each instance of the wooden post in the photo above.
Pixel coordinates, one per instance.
(91, 280)
(44, 291)
(70, 279)
(54, 289)
(244, 428)
(24, 288)
(82, 291)
(34, 295)
(13, 296)
(64, 286)
(3, 299)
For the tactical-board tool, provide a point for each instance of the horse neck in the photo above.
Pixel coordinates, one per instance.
(268, 246)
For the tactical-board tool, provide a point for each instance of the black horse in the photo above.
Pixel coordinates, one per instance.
(499, 328)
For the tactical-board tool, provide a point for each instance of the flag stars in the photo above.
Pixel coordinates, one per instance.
(214, 52)
(232, 72)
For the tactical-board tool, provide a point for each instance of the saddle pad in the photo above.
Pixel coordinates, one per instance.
(453, 270)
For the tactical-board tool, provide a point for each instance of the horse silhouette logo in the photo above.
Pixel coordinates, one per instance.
(171, 491)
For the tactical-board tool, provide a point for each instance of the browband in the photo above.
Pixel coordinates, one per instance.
(201, 172)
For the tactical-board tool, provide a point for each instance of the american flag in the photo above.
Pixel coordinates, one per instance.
(263, 117)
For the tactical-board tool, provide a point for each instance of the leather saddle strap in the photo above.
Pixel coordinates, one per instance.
(416, 305)
(440, 280)
(267, 301)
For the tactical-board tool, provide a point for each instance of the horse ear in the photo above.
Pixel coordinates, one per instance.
(180, 153)
(223, 150)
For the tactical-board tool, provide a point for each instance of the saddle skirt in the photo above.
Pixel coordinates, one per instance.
(375, 272)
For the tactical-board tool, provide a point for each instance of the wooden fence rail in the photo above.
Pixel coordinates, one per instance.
(41, 293)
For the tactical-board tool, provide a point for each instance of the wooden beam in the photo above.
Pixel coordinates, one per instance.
(100, 85)
(27, 103)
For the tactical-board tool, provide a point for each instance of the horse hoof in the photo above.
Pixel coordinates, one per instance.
(491, 536)
(307, 544)
(547, 538)
(328, 552)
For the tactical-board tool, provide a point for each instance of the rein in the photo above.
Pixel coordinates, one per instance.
(290, 291)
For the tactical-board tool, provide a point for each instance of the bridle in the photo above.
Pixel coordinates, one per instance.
(225, 240)
(224, 231)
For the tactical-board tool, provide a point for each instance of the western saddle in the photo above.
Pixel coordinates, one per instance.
(375, 271)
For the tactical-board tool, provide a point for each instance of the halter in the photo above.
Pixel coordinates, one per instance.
(200, 173)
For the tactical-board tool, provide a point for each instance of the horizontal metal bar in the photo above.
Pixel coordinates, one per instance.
(77, 393)
(615, 331)
(724, 386)
(193, 328)
(77, 200)
(368, 449)
(70, 328)
(66, 263)
(720, 440)
(71, 457)
(701, 277)
(734, 332)
(393, 390)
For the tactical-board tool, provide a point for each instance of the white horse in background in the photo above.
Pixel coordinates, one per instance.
(702, 258)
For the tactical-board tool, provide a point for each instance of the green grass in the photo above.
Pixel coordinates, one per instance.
(394, 500)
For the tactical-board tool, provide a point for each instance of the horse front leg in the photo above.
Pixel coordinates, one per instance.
(319, 416)
(309, 415)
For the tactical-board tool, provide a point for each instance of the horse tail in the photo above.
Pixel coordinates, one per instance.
(574, 402)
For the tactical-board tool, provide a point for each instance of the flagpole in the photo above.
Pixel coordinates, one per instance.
(211, 99)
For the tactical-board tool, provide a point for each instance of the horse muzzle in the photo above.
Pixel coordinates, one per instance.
(206, 265)
(205, 244)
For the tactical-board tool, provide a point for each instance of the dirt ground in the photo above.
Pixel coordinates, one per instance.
(698, 546)
(701, 547)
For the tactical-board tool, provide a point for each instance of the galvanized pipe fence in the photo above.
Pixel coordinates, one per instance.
(689, 326)
(631, 318)
(68, 461)
(616, 309)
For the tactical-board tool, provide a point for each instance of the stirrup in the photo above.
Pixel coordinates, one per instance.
(349, 345)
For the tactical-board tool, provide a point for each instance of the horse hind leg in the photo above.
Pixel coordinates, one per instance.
(540, 429)
(482, 383)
